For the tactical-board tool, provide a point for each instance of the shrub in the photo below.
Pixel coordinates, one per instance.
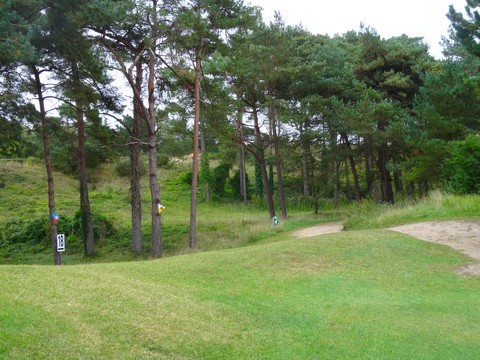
(123, 167)
(462, 168)
(102, 227)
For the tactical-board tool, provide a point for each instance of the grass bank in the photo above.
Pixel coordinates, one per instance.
(436, 206)
(360, 294)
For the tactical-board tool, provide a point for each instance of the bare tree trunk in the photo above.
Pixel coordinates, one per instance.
(85, 210)
(305, 162)
(351, 160)
(193, 201)
(278, 165)
(203, 150)
(371, 179)
(356, 183)
(48, 166)
(384, 175)
(242, 167)
(397, 176)
(336, 178)
(336, 169)
(263, 165)
(135, 173)
(157, 247)
(347, 182)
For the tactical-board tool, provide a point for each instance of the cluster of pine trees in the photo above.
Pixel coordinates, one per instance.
(353, 115)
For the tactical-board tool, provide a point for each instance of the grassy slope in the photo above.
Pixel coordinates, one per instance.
(359, 294)
(220, 225)
(362, 294)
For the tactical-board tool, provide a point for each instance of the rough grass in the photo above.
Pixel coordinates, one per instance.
(361, 294)
(437, 206)
(221, 225)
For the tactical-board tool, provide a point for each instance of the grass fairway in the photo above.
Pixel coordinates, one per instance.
(358, 294)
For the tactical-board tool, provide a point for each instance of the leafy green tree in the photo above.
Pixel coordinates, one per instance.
(466, 29)
(80, 71)
(392, 68)
(132, 32)
(201, 27)
(22, 23)
(462, 167)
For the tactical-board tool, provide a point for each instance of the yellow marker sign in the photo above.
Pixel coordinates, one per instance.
(160, 208)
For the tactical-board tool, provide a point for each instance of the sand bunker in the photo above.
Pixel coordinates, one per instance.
(461, 235)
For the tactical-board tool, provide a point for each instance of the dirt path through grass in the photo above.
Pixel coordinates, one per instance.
(322, 229)
(460, 235)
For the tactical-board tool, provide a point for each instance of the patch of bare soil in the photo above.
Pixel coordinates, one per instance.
(328, 228)
(463, 236)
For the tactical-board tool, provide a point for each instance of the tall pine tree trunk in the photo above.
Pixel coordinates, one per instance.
(85, 210)
(384, 175)
(278, 164)
(157, 246)
(48, 165)
(305, 161)
(263, 166)
(348, 191)
(196, 123)
(336, 180)
(203, 150)
(242, 164)
(356, 182)
(353, 168)
(135, 173)
(371, 178)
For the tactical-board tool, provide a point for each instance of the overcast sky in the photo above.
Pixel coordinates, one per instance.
(415, 18)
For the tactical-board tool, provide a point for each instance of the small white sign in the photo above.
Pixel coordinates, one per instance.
(60, 242)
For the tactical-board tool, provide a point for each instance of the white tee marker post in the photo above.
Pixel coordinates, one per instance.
(61, 245)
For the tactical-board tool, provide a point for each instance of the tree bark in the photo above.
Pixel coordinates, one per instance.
(336, 178)
(353, 168)
(242, 167)
(48, 166)
(278, 165)
(371, 178)
(203, 150)
(196, 122)
(263, 166)
(157, 246)
(305, 162)
(384, 175)
(85, 210)
(348, 191)
(135, 173)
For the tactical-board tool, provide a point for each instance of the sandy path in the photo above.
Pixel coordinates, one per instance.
(460, 235)
(322, 229)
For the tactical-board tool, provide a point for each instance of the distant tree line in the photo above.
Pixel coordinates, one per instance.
(353, 116)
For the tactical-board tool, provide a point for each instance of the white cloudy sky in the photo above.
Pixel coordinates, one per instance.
(415, 18)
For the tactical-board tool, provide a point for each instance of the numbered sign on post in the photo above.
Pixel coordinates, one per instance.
(61, 242)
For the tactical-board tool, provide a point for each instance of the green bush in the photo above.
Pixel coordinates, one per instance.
(462, 168)
(123, 167)
(102, 227)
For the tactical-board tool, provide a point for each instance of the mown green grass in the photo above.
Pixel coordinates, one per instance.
(359, 294)
(364, 294)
